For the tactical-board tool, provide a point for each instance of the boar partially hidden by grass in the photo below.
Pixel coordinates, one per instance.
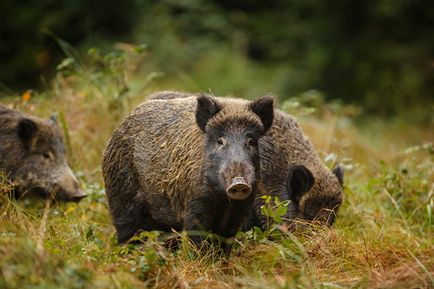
(185, 164)
(32, 156)
(291, 170)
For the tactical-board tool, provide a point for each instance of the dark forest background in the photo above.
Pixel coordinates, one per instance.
(375, 54)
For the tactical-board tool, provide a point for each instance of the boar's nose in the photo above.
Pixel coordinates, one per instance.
(70, 187)
(239, 189)
(78, 195)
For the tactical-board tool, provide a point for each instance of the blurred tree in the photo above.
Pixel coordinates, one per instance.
(27, 51)
(379, 53)
(376, 53)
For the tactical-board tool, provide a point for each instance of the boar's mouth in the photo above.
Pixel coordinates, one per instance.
(40, 192)
(58, 195)
(70, 197)
(77, 198)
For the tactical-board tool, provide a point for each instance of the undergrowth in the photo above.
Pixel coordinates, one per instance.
(383, 236)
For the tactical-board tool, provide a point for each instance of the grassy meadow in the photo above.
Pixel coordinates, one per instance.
(383, 236)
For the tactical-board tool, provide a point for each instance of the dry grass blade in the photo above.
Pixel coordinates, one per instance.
(43, 228)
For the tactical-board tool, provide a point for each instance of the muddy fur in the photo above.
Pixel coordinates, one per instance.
(158, 177)
(284, 146)
(32, 155)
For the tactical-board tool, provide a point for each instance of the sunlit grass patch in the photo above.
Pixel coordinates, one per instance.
(375, 243)
(382, 237)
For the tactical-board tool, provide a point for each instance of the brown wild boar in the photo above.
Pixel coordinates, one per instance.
(185, 164)
(32, 155)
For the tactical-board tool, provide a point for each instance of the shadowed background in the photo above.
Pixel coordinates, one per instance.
(376, 54)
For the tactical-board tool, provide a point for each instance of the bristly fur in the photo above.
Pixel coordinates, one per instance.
(153, 164)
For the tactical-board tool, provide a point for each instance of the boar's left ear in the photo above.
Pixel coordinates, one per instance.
(339, 173)
(300, 181)
(26, 130)
(263, 107)
(207, 107)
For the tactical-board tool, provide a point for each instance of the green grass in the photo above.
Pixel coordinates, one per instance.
(383, 237)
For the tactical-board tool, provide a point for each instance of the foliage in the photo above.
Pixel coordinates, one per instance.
(369, 247)
(410, 186)
(109, 74)
(361, 53)
(375, 54)
(28, 48)
(382, 237)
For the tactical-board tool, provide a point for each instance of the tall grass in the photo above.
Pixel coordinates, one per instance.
(383, 237)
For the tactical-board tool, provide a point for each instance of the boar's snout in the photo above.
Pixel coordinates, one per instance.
(69, 187)
(77, 196)
(239, 189)
(238, 179)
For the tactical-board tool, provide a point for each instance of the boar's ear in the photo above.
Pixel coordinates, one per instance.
(263, 107)
(339, 173)
(26, 130)
(207, 107)
(300, 181)
(53, 118)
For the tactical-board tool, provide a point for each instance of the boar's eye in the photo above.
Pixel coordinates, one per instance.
(221, 142)
(251, 142)
(46, 155)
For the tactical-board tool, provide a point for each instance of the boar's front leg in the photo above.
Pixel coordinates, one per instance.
(199, 218)
(230, 222)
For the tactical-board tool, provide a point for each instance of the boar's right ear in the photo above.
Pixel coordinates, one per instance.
(26, 130)
(300, 181)
(207, 107)
(263, 107)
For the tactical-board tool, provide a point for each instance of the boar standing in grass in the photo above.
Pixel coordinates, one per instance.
(291, 170)
(185, 164)
(32, 155)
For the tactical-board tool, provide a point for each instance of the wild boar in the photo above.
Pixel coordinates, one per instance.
(185, 164)
(32, 155)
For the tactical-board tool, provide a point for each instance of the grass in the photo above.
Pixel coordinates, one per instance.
(383, 237)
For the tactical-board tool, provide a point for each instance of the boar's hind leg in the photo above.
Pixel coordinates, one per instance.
(129, 213)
